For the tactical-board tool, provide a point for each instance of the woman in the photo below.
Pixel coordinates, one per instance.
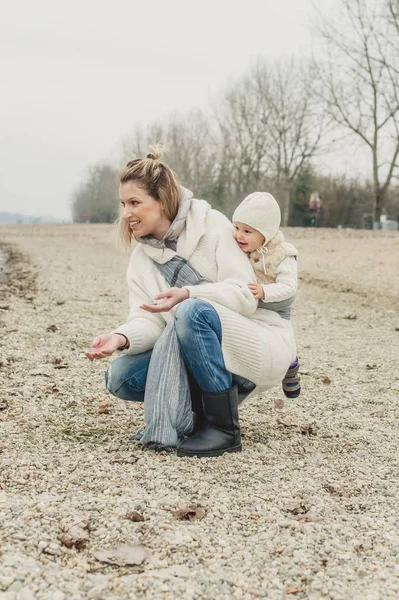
(228, 345)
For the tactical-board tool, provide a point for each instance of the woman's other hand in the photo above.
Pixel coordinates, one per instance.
(167, 300)
(257, 290)
(105, 345)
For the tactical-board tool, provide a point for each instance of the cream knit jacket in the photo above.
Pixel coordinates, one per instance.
(276, 269)
(256, 343)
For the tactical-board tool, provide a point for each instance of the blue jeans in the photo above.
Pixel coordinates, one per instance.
(199, 333)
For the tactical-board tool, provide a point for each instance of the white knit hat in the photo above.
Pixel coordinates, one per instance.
(261, 212)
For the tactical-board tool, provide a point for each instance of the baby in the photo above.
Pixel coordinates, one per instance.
(256, 229)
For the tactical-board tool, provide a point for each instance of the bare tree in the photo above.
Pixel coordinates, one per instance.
(296, 126)
(242, 118)
(95, 199)
(357, 67)
(191, 148)
(269, 129)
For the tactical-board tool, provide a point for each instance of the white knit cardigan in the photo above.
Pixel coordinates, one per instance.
(256, 343)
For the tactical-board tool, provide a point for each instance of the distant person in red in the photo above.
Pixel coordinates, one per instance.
(315, 202)
(84, 217)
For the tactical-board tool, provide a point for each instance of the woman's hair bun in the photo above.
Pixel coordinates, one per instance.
(155, 152)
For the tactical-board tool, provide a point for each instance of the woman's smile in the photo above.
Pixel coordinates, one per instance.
(133, 224)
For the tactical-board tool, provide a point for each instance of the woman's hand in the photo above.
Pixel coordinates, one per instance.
(105, 345)
(167, 300)
(257, 290)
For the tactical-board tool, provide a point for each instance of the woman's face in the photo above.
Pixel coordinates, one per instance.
(143, 213)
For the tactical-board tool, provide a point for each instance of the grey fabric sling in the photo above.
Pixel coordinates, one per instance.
(282, 307)
(167, 401)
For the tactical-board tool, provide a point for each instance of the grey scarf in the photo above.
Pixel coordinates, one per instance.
(167, 401)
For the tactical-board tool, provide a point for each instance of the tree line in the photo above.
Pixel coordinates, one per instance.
(267, 127)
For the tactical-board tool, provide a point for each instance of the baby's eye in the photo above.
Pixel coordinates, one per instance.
(246, 231)
(123, 204)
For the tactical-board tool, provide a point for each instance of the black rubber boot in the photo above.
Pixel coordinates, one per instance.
(221, 432)
(196, 403)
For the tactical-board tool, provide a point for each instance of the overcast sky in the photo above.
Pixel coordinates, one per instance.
(77, 75)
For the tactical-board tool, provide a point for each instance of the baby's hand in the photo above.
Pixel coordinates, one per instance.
(257, 290)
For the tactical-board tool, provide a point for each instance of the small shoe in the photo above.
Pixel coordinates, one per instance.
(290, 383)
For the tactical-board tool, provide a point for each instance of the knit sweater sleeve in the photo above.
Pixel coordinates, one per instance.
(234, 272)
(142, 328)
(286, 282)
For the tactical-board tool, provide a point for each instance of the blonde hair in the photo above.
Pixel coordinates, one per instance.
(158, 180)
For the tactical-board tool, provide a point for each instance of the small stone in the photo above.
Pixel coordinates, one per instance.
(42, 544)
(57, 595)
(6, 581)
(25, 594)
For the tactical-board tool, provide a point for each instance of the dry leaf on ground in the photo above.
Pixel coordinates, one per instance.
(285, 424)
(104, 407)
(308, 429)
(192, 513)
(75, 536)
(57, 362)
(292, 590)
(41, 371)
(173, 571)
(279, 403)
(123, 555)
(134, 516)
(309, 517)
(301, 509)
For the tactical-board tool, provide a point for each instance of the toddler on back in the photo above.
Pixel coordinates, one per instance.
(256, 230)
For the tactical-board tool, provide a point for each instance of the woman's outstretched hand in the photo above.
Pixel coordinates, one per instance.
(167, 300)
(105, 345)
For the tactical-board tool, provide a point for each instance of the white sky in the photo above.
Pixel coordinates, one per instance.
(76, 76)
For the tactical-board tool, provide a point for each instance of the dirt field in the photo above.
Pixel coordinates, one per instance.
(308, 510)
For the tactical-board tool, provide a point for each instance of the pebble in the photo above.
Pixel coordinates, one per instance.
(57, 595)
(25, 594)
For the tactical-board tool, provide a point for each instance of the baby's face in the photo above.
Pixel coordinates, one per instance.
(247, 238)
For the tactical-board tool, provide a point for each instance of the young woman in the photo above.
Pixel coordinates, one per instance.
(188, 277)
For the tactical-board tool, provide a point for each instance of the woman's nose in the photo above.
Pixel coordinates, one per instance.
(126, 212)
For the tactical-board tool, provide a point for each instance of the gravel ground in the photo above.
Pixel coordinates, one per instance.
(308, 510)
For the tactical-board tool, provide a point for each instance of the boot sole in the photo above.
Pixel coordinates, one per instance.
(208, 454)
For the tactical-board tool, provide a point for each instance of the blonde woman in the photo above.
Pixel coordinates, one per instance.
(192, 316)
